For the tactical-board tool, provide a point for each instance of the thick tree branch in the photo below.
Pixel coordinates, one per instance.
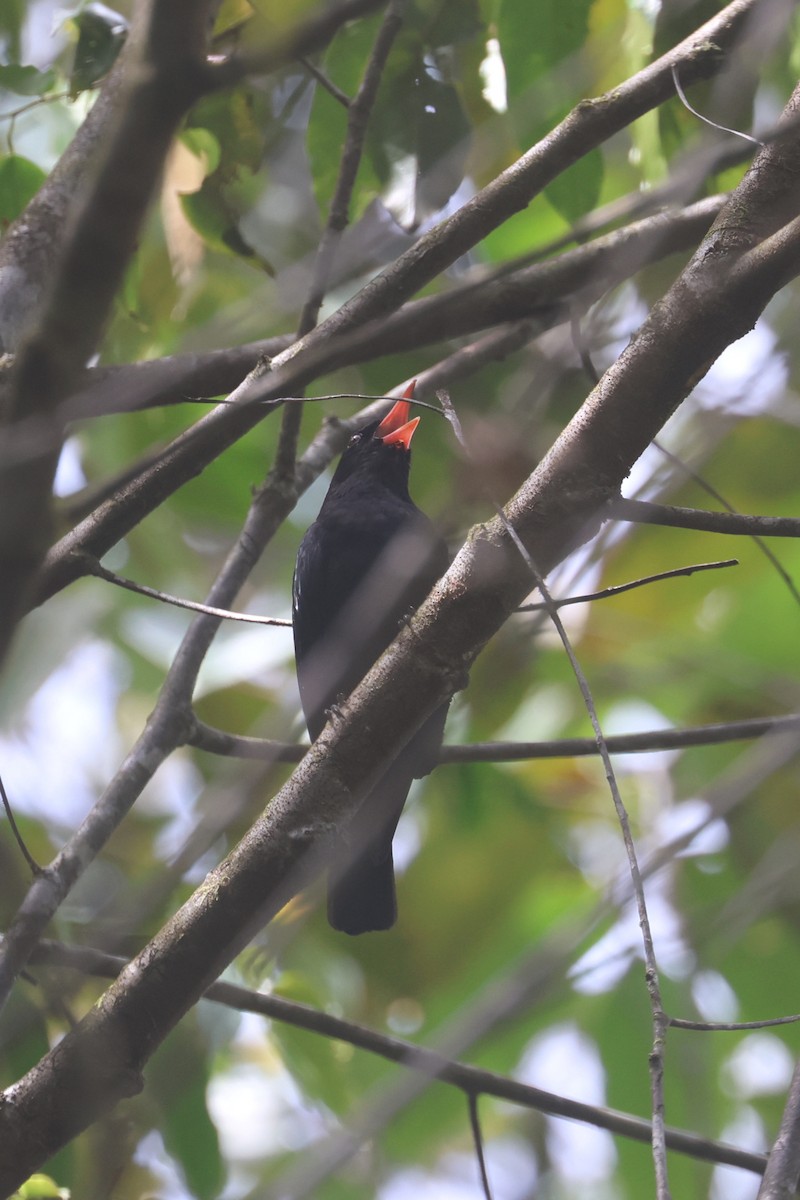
(782, 1174)
(558, 507)
(172, 380)
(591, 123)
(167, 47)
(544, 292)
(163, 73)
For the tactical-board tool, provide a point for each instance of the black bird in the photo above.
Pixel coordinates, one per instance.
(369, 560)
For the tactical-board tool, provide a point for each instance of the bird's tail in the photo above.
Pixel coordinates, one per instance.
(362, 899)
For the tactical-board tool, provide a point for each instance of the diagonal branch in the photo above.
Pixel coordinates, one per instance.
(165, 52)
(544, 292)
(557, 508)
(164, 70)
(588, 125)
(470, 1079)
(783, 1165)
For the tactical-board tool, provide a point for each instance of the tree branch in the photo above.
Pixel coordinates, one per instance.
(742, 524)
(587, 126)
(544, 292)
(469, 1079)
(216, 741)
(560, 506)
(542, 295)
(783, 1165)
(166, 49)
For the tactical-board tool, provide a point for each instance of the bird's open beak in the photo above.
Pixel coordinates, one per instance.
(396, 429)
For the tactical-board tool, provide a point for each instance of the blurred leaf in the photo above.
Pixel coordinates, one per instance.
(576, 192)
(26, 81)
(319, 1064)
(20, 180)
(543, 84)
(23, 1034)
(231, 14)
(179, 1074)
(204, 146)
(226, 132)
(237, 120)
(442, 148)
(419, 136)
(42, 1187)
(448, 22)
(12, 15)
(216, 221)
(283, 14)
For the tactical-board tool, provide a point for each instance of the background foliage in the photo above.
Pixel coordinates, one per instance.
(495, 856)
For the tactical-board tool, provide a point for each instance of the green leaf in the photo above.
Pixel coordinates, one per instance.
(26, 81)
(240, 121)
(533, 42)
(418, 125)
(232, 14)
(12, 16)
(179, 1076)
(203, 145)
(216, 221)
(449, 22)
(442, 147)
(343, 63)
(20, 180)
(42, 1187)
(576, 192)
(228, 132)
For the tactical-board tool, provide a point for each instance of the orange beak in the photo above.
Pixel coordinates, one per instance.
(396, 429)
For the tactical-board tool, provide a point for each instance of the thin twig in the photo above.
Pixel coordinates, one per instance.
(338, 215)
(742, 524)
(357, 120)
(93, 567)
(325, 81)
(216, 741)
(707, 120)
(470, 1079)
(712, 491)
(618, 589)
(26, 854)
(731, 1026)
(477, 1138)
(656, 1058)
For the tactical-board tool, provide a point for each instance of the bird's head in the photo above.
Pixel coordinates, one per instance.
(382, 450)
